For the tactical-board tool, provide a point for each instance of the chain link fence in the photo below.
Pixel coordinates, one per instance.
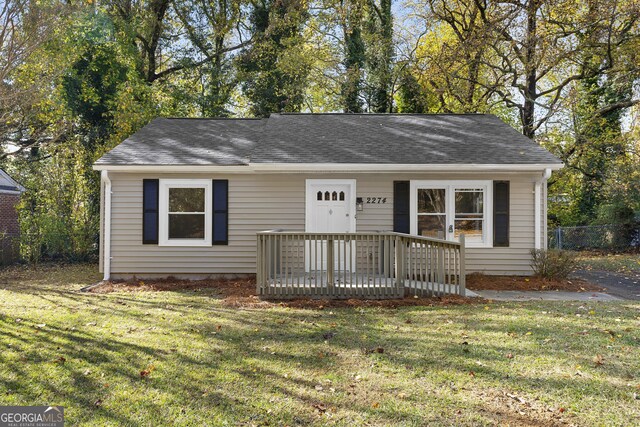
(612, 237)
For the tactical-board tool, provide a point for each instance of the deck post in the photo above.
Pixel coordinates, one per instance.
(463, 278)
(441, 267)
(399, 267)
(330, 266)
(259, 256)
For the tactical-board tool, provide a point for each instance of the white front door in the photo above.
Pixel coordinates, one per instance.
(330, 208)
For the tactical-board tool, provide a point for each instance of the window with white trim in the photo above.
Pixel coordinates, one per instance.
(185, 212)
(447, 209)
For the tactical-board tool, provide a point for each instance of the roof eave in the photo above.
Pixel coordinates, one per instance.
(334, 167)
(18, 188)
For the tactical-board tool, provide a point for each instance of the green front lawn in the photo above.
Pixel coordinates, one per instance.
(184, 358)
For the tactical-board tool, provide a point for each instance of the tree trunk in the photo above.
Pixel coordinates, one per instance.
(354, 57)
(531, 72)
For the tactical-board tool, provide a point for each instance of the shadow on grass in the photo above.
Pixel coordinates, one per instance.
(215, 364)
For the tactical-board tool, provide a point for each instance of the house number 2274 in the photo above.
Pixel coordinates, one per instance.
(376, 200)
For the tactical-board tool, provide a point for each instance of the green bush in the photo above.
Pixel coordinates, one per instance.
(553, 263)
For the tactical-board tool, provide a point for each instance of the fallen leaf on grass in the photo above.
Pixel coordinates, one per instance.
(320, 407)
(60, 359)
(328, 335)
(146, 372)
(97, 403)
(598, 360)
(509, 356)
(515, 397)
(375, 405)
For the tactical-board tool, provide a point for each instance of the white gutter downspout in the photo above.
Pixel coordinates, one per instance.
(107, 225)
(537, 209)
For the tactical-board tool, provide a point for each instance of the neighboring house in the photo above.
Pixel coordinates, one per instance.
(10, 192)
(186, 197)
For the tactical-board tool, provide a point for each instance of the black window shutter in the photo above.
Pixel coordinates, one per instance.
(401, 214)
(500, 213)
(150, 190)
(220, 226)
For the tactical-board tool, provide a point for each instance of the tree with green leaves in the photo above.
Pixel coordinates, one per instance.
(354, 54)
(267, 84)
(380, 56)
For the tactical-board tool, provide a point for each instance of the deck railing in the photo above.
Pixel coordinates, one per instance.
(357, 265)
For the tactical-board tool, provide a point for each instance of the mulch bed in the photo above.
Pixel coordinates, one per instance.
(241, 293)
(480, 282)
(225, 287)
(320, 304)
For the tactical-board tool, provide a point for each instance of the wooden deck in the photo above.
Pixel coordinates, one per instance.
(357, 265)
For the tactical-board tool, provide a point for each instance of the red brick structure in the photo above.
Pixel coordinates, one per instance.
(10, 192)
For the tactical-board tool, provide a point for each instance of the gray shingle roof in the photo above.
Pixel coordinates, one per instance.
(330, 138)
(188, 142)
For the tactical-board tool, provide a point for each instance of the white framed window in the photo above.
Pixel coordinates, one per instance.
(184, 212)
(446, 209)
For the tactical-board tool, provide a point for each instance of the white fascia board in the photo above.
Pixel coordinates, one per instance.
(173, 168)
(333, 167)
(385, 167)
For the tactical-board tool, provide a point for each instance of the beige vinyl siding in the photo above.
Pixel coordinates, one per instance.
(262, 201)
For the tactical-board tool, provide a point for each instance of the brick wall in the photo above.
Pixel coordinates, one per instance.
(8, 214)
(9, 228)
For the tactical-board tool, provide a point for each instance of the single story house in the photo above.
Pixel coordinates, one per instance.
(187, 197)
(10, 192)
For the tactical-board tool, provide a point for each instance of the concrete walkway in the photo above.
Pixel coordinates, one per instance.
(546, 296)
